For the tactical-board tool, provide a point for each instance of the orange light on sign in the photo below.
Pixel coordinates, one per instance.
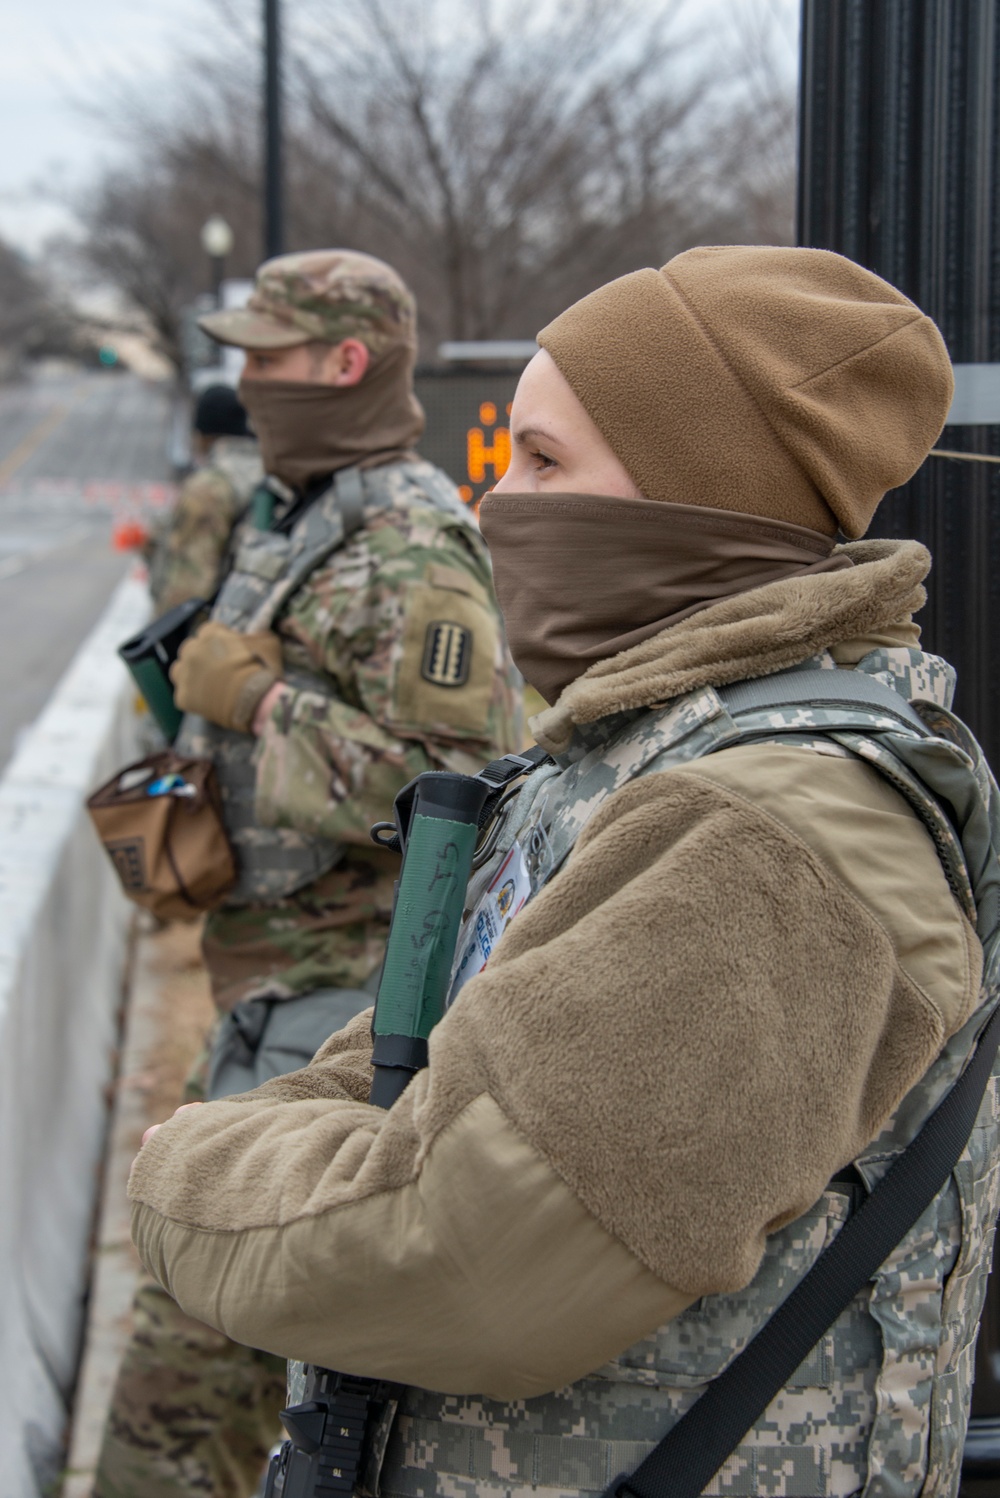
(488, 414)
(465, 493)
(478, 455)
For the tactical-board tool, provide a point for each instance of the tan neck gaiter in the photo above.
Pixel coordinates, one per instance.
(580, 577)
(307, 429)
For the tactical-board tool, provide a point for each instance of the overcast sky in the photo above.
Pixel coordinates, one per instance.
(56, 53)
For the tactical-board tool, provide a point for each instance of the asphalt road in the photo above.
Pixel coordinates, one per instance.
(78, 454)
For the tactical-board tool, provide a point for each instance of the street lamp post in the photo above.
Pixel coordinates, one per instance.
(274, 217)
(217, 242)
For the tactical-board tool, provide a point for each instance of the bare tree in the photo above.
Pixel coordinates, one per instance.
(142, 219)
(506, 155)
(751, 141)
(33, 322)
(513, 156)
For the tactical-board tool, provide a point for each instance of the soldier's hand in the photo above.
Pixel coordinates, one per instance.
(223, 674)
(153, 1127)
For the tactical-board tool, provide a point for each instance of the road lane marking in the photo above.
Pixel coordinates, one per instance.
(34, 439)
(11, 566)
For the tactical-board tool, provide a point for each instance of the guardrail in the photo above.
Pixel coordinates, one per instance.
(63, 934)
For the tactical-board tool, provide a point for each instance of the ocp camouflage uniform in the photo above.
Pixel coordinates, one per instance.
(187, 554)
(192, 1412)
(331, 294)
(393, 646)
(329, 763)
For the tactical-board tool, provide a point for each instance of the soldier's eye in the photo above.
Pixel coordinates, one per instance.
(542, 461)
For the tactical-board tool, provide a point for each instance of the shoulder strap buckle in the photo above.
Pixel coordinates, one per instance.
(498, 775)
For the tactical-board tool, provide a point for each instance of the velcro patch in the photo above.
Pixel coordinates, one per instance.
(444, 677)
(447, 654)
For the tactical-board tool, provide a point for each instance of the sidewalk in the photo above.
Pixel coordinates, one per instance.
(168, 1013)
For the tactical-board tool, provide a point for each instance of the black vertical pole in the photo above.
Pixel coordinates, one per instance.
(274, 217)
(899, 168)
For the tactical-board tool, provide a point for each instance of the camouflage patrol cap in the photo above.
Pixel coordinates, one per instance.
(320, 295)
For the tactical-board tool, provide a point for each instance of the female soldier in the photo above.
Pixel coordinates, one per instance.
(746, 970)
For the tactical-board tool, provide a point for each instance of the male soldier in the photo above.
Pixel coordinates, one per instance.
(187, 555)
(354, 645)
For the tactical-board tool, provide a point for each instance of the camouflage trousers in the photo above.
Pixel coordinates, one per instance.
(192, 1414)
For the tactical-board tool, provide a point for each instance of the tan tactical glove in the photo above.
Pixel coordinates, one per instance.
(222, 674)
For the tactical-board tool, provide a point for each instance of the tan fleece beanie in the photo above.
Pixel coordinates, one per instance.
(780, 382)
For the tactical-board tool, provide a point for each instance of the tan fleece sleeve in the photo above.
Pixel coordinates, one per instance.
(672, 1050)
(341, 1068)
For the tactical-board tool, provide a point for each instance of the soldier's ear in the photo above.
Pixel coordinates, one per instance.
(348, 363)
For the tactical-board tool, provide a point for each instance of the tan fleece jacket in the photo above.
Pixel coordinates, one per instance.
(743, 967)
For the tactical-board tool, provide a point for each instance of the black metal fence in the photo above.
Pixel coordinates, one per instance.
(898, 169)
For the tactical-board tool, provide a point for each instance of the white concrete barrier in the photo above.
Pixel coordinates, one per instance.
(63, 930)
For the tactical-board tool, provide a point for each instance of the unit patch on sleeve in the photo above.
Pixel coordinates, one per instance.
(445, 675)
(447, 654)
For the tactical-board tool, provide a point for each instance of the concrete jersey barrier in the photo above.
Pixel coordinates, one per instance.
(63, 932)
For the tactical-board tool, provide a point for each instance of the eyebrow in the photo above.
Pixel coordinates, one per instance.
(525, 434)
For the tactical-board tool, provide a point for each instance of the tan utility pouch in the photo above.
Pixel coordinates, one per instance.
(161, 822)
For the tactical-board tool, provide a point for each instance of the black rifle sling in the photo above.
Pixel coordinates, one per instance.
(686, 1460)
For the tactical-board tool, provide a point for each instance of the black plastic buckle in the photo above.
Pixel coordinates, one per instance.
(497, 775)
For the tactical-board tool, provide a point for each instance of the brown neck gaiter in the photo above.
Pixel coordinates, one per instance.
(581, 577)
(306, 429)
